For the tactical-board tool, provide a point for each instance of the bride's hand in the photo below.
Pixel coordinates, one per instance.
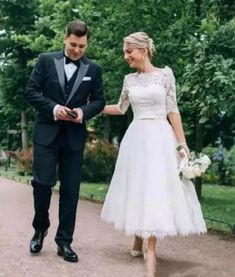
(183, 150)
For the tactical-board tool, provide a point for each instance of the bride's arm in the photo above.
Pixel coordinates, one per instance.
(112, 110)
(121, 107)
(176, 123)
(173, 114)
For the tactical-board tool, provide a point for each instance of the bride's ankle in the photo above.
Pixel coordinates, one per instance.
(150, 263)
(138, 244)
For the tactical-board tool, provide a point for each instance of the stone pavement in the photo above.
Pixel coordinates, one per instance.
(103, 251)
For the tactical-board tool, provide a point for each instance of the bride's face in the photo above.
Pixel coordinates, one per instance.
(133, 56)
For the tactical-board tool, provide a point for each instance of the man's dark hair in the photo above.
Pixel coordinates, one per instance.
(77, 28)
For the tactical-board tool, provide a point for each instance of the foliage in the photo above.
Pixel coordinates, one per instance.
(229, 164)
(16, 19)
(222, 169)
(24, 160)
(207, 74)
(99, 161)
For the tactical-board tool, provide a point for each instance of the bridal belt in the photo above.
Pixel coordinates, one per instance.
(151, 118)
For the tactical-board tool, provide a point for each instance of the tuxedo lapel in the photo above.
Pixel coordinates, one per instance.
(59, 64)
(81, 73)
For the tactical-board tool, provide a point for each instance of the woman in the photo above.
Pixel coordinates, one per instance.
(146, 197)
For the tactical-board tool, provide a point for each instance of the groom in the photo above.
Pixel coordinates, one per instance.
(66, 90)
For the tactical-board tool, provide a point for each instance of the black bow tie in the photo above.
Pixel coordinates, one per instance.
(68, 60)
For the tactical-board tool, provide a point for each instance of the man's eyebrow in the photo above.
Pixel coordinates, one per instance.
(81, 44)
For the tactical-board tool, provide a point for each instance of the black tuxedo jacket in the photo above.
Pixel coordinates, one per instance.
(46, 88)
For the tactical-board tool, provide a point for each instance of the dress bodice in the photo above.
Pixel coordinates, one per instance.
(151, 95)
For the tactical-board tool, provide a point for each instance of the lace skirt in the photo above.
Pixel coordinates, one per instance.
(146, 197)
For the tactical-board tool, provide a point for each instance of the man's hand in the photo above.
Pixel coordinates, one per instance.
(79, 115)
(61, 113)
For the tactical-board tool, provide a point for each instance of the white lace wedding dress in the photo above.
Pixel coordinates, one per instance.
(146, 197)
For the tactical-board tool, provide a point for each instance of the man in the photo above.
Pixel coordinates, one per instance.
(66, 89)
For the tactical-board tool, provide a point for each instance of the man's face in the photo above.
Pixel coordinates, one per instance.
(75, 46)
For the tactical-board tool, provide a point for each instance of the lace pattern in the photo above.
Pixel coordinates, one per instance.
(123, 102)
(164, 78)
(171, 100)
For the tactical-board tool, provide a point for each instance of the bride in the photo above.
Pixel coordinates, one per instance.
(146, 197)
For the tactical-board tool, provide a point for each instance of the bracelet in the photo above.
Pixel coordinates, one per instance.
(181, 146)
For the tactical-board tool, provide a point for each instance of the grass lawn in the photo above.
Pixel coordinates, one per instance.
(218, 202)
(95, 192)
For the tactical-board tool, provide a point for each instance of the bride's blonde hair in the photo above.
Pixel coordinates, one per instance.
(141, 40)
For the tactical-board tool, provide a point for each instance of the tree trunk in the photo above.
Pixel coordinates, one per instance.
(24, 131)
(198, 181)
(107, 128)
(199, 143)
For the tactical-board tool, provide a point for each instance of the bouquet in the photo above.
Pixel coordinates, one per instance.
(191, 168)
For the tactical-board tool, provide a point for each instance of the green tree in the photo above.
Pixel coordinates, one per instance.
(207, 88)
(16, 19)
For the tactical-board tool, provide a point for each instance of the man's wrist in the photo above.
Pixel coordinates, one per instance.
(55, 111)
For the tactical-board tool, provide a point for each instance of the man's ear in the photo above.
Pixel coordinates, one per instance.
(65, 37)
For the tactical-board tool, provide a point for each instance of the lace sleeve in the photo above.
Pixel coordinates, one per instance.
(123, 102)
(171, 100)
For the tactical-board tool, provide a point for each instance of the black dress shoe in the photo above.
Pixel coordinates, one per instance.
(67, 253)
(36, 242)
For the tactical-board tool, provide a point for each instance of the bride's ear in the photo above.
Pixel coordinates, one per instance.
(145, 51)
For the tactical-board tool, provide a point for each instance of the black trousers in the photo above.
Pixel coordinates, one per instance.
(50, 162)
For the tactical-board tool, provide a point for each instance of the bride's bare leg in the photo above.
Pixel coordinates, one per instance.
(136, 250)
(150, 257)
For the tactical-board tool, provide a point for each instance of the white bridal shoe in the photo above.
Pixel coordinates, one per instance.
(136, 253)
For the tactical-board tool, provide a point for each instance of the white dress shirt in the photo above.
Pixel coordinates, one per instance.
(69, 69)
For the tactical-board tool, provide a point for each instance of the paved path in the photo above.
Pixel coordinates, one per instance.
(103, 251)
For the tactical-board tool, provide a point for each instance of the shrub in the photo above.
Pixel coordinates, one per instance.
(222, 169)
(210, 178)
(99, 161)
(24, 160)
(229, 164)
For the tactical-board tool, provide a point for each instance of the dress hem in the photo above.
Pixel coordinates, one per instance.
(156, 234)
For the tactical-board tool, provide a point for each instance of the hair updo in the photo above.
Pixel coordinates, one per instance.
(141, 40)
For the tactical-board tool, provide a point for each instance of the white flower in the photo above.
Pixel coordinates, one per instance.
(205, 160)
(203, 168)
(196, 170)
(188, 173)
(191, 169)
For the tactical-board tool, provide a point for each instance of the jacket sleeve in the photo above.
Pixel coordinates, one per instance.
(34, 91)
(96, 101)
